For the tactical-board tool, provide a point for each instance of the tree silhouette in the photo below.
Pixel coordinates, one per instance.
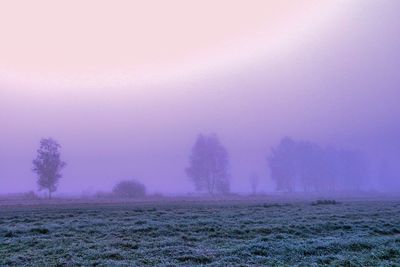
(48, 165)
(254, 180)
(306, 165)
(282, 164)
(209, 165)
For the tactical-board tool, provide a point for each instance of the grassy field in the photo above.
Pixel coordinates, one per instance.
(224, 233)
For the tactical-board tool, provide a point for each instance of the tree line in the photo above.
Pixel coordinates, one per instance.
(294, 166)
(305, 166)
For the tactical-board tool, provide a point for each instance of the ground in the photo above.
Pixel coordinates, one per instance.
(209, 233)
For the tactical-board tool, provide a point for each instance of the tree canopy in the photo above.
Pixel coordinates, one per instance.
(48, 165)
(208, 165)
(303, 165)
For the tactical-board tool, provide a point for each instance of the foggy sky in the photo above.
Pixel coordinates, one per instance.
(340, 88)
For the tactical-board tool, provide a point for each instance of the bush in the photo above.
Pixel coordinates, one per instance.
(30, 195)
(129, 189)
(325, 202)
(102, 194)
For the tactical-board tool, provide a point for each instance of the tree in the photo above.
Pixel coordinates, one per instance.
(282, 165)
(48, 165)
(209, 165)
(254, 180)
(310, 167)
(129, 189)
(353, 169)
(306, 165)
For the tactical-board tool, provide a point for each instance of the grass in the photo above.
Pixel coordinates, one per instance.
(354, 233)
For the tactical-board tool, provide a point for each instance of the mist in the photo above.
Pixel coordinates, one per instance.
(338, 89)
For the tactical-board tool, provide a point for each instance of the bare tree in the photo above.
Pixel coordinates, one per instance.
(254, 180)
(48, 165)
(209, 165)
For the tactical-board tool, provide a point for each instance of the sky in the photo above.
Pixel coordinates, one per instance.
(126, 86)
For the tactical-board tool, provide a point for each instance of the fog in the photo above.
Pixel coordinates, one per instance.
(340, 89)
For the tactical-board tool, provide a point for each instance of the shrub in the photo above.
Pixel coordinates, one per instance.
(30, 195)
(42, 231)
(129, 189)
(324, 202)
(101, 194)
(9, 234)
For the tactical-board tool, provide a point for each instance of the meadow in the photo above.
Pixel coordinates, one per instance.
(202, 233)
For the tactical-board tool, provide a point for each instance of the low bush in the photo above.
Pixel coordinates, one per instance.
(324, 202)
(129, 189)
(42, 231)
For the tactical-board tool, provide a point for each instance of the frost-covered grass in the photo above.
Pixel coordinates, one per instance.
(234, 233)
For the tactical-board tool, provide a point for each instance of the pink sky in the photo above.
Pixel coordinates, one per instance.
(81, 43)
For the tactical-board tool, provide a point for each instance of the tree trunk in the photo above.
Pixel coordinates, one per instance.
(210, 186)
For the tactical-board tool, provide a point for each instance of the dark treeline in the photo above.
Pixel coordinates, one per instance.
(306, 166)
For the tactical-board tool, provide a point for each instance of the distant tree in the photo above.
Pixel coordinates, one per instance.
(388, 173)
(282, 164)
(310, 166)
(208, 165)
(306, 165)
(129, 189)
(254, 180)
(48, 165)
(353, 169)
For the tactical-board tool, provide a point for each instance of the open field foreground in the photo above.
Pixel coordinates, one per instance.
(226, 233)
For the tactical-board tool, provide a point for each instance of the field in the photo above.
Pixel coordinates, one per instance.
(209, 233)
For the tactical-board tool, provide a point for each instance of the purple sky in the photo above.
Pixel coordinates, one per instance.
(339, 86)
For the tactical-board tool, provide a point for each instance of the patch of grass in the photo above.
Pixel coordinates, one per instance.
(9, 234)
(390, 254)
(42, 231)
(128, 246)
(198, 259)
(359, 246)
(113, 256)
(259, 251)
